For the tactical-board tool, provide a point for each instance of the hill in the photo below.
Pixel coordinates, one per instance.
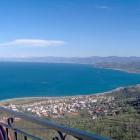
(115, 114)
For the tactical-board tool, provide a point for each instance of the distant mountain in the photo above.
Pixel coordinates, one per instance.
(81, 60)
(129, 64)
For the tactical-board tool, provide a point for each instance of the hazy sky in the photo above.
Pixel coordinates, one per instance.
(69, 28)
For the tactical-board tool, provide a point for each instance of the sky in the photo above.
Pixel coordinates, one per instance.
(69, 28)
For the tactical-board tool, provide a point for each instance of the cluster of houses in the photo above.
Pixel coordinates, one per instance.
(93, 105)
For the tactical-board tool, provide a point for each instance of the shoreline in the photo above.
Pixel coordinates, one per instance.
(61, 97)
(117, 69)
(121, 70)
(78, 95)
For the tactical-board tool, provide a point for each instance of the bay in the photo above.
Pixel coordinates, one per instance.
(20, 79)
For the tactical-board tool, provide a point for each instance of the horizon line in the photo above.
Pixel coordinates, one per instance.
(66, 56)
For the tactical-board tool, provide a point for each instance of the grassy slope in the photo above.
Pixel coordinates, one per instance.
(123, 126)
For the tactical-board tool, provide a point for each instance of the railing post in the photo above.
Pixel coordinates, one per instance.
(60, 129)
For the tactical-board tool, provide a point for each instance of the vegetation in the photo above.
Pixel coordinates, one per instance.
(124, 125)
(133, 67)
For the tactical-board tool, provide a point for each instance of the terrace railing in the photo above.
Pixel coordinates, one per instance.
(61, 130)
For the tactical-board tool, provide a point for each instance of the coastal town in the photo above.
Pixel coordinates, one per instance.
(92, 105)
(117, 110)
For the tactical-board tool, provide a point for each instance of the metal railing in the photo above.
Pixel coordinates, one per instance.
(60, 129)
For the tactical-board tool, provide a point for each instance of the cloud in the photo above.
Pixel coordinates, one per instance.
(33, 43)
(102, 7)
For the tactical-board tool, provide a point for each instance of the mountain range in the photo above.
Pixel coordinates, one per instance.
(129, 64)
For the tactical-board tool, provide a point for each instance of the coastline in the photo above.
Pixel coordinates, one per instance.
(122, 70)
(62, 97)
(73, 96)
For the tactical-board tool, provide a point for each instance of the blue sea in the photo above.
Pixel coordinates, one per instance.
(44, 79)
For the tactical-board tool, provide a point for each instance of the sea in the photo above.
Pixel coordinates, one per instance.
(26, 79)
